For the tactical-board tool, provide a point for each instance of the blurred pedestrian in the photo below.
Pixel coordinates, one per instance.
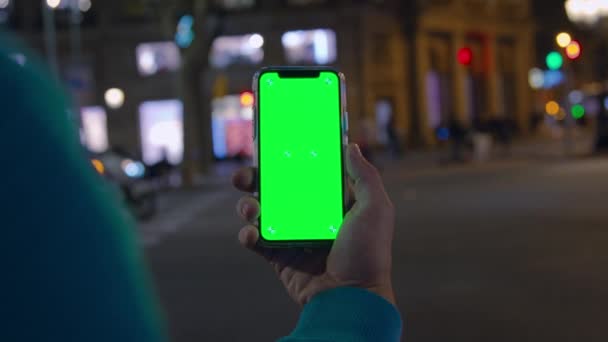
(161, 170)
(394, 144)
(504, 134)
(536, 119)
(387, 128)
(458, 135)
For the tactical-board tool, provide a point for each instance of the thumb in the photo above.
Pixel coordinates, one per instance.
(367, 184)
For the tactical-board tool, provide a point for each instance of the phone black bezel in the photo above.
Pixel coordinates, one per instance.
(293, 71)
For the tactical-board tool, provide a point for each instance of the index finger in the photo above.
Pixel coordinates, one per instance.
(245, 179)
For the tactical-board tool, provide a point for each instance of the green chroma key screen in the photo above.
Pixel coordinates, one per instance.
(300, 157)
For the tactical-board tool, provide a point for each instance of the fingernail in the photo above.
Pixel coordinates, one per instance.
(245, 209)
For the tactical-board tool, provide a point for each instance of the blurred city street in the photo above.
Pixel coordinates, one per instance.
(511, 250)
(488, 121)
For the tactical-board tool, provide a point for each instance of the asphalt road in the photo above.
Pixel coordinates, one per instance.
(505, 252)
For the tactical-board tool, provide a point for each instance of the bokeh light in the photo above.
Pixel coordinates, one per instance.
(577, 111)
(554, 60)
(98, 165)
(256, 41)
(133, 169)
(184, 35)
(465, 56)
(443, 133)
(563, 39)
(553, 78)
(576, 96)
(586, 12)
(4, 3)
(114, 97)
(84, 5)
(536, 78)
(552, 108)
(147, 62)
(247, 99)
(53, 3)
(573, 50)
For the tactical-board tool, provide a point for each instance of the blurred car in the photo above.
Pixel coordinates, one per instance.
(128, 177)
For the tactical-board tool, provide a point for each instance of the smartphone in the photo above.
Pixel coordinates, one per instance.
(300, 136)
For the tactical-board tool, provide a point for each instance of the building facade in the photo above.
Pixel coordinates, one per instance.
(490, 80)
(400, 63)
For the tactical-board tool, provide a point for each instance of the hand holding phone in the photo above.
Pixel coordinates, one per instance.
(361, 253)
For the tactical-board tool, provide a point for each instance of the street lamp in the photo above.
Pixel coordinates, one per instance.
(586, 12)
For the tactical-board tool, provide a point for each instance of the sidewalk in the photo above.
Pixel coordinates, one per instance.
(528, 150)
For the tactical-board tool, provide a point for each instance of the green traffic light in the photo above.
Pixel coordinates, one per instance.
(554, 60)
(578, 111)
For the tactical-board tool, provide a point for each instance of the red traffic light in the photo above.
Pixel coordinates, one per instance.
(247, 99)
(465, 56)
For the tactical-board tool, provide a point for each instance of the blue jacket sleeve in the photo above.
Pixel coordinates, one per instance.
(347, 315)
(72, 270)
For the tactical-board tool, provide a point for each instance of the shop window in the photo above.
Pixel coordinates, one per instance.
(153, 58)
(94, 128)
(310, 46)
(161, 129)
(229, 50)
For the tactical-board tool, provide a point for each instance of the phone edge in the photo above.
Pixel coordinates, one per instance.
(256, 163)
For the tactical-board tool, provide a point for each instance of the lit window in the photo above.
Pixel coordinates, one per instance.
(310, 46)
(232, 125)
(245, 49)
(158, 57)
(94, 128)
(162, 132)
(236, 4)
